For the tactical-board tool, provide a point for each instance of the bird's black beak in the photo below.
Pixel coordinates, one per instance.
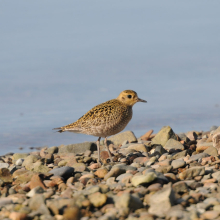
(140, 100)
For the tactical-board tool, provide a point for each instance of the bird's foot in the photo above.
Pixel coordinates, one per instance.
(99, 162)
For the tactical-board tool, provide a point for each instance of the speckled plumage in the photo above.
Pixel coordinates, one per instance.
(106, 119)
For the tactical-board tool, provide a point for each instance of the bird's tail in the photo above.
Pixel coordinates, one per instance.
(60, 129)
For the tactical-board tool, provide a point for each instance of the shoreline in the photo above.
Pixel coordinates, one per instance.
(162, 176)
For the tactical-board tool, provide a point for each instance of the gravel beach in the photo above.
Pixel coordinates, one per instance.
(157, 176)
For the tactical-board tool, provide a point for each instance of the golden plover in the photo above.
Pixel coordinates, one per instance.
(106, 119)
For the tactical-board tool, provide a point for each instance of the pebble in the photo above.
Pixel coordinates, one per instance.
(192, 172)
(162, 201)
(126, 200)
(77, 148)
(143, 179)
(178, 163)
(101, 172)
(163, 136)
(123, 136)
(64, 172)
(19, 162)
(138, 147)
(97, 199)
(173, 144)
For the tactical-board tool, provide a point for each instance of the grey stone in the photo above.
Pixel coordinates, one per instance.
(216, 175)
(162, 201)
(53, 150)
(40, 167)
(214, 127)
(164, 169)
(121, 137)
(5, 201)
(212, 151)
(183, 137)
(216, 131)
(173, 144)
(180, 187)
(160, 150)
(34, 191)
(57, 206)
(126, 151)
(138, 147)
(124, 175)
(179, 155)
(13, 168)
(91, 189)
(125, 146)
(17, 156)
(211, 201)
(163, 136)
(29, 160)
(79, 167)
(77, 148)
(192, 172)
(36, 201)
(4, 165)
(160, 176)
(196, 157)
(178, 163)
(143, 179)
(192, 184)
(126, 200)
(177, 212)
(114, 172)
(125, 167)
(64, 172)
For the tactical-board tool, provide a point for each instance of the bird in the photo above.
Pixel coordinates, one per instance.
(105, 119)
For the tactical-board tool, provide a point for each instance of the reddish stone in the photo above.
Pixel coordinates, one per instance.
(147, 135)
(209, 181)
(155, 187)
(213, 214)
(18, 216)
(94, 166)
(37, 181)
(104, 155)
(141, 160)
(166, 162)
(192, 135)
(107, 207)
(101, 172)
(210, 185)
(197, 178)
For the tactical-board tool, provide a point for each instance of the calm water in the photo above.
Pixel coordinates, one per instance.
(58, 60)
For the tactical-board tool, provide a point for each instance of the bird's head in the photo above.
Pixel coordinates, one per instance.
(129, 97)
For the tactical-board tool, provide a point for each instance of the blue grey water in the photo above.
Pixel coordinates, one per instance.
(58, 59)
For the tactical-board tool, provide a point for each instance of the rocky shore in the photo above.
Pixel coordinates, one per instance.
(157, 176)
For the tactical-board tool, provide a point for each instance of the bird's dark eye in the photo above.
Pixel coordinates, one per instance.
(129, 96)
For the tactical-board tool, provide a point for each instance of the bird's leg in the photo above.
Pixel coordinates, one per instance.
(98, 147)
(108, 149)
